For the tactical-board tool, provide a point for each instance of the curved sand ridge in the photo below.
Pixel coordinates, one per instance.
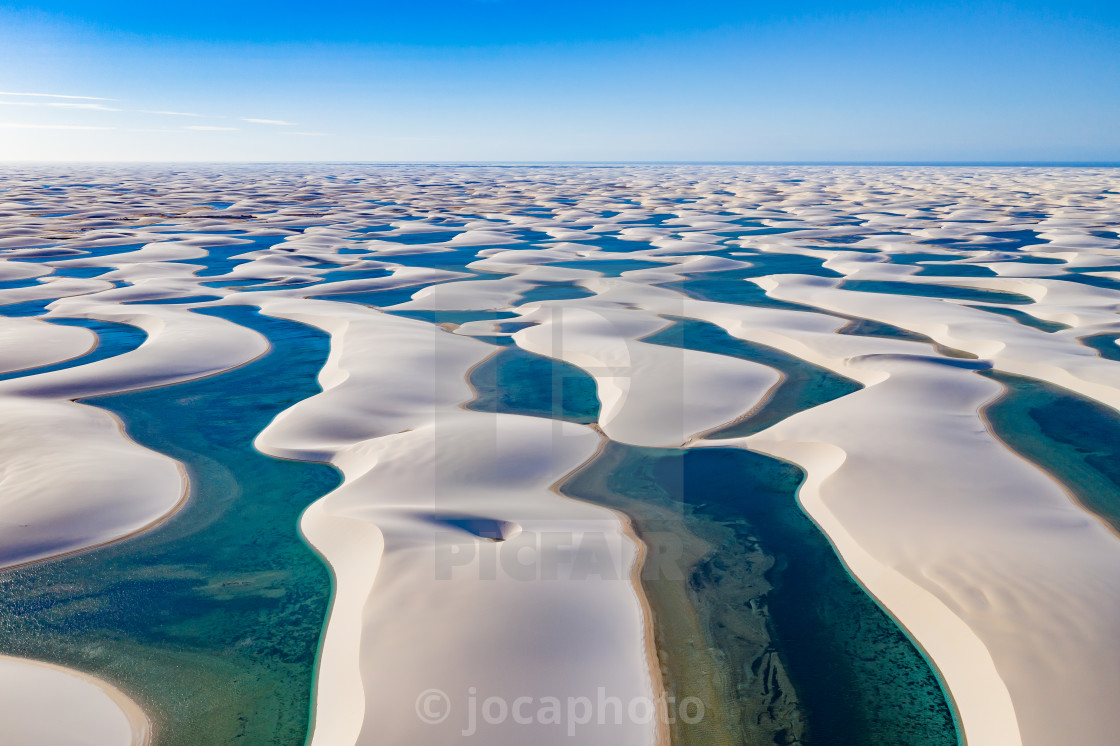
(651, 395)
(53, 706)
(72, 479)
(998, 575)
(420, 472)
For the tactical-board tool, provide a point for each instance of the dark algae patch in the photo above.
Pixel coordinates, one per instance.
(211, 621)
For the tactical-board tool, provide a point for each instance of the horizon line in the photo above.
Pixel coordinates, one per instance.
(452, 162)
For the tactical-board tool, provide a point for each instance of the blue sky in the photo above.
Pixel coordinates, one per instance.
(512, 81)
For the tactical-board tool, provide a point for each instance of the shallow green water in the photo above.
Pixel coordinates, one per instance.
(857, 678)
(212, 620)
(735, 286)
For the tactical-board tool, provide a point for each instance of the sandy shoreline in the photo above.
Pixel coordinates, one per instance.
(671, 626)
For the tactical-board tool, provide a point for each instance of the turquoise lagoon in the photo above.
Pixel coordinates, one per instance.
(211, 621)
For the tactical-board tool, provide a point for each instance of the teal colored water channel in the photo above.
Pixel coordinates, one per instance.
(856, 678)
(212, 620)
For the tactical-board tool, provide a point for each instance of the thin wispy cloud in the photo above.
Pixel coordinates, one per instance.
(23, 126)
(56, 95)
(306, 134)
(58, 105)
(169, 113)
(86, 103)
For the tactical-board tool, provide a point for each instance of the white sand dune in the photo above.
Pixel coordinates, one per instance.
(45, 705)
(1013, 347)
(651, 395)
(12, 270)
(53, 343)
(420, 473)
(72, 479)
(154, 252)
(50, 289)
(180, 346)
